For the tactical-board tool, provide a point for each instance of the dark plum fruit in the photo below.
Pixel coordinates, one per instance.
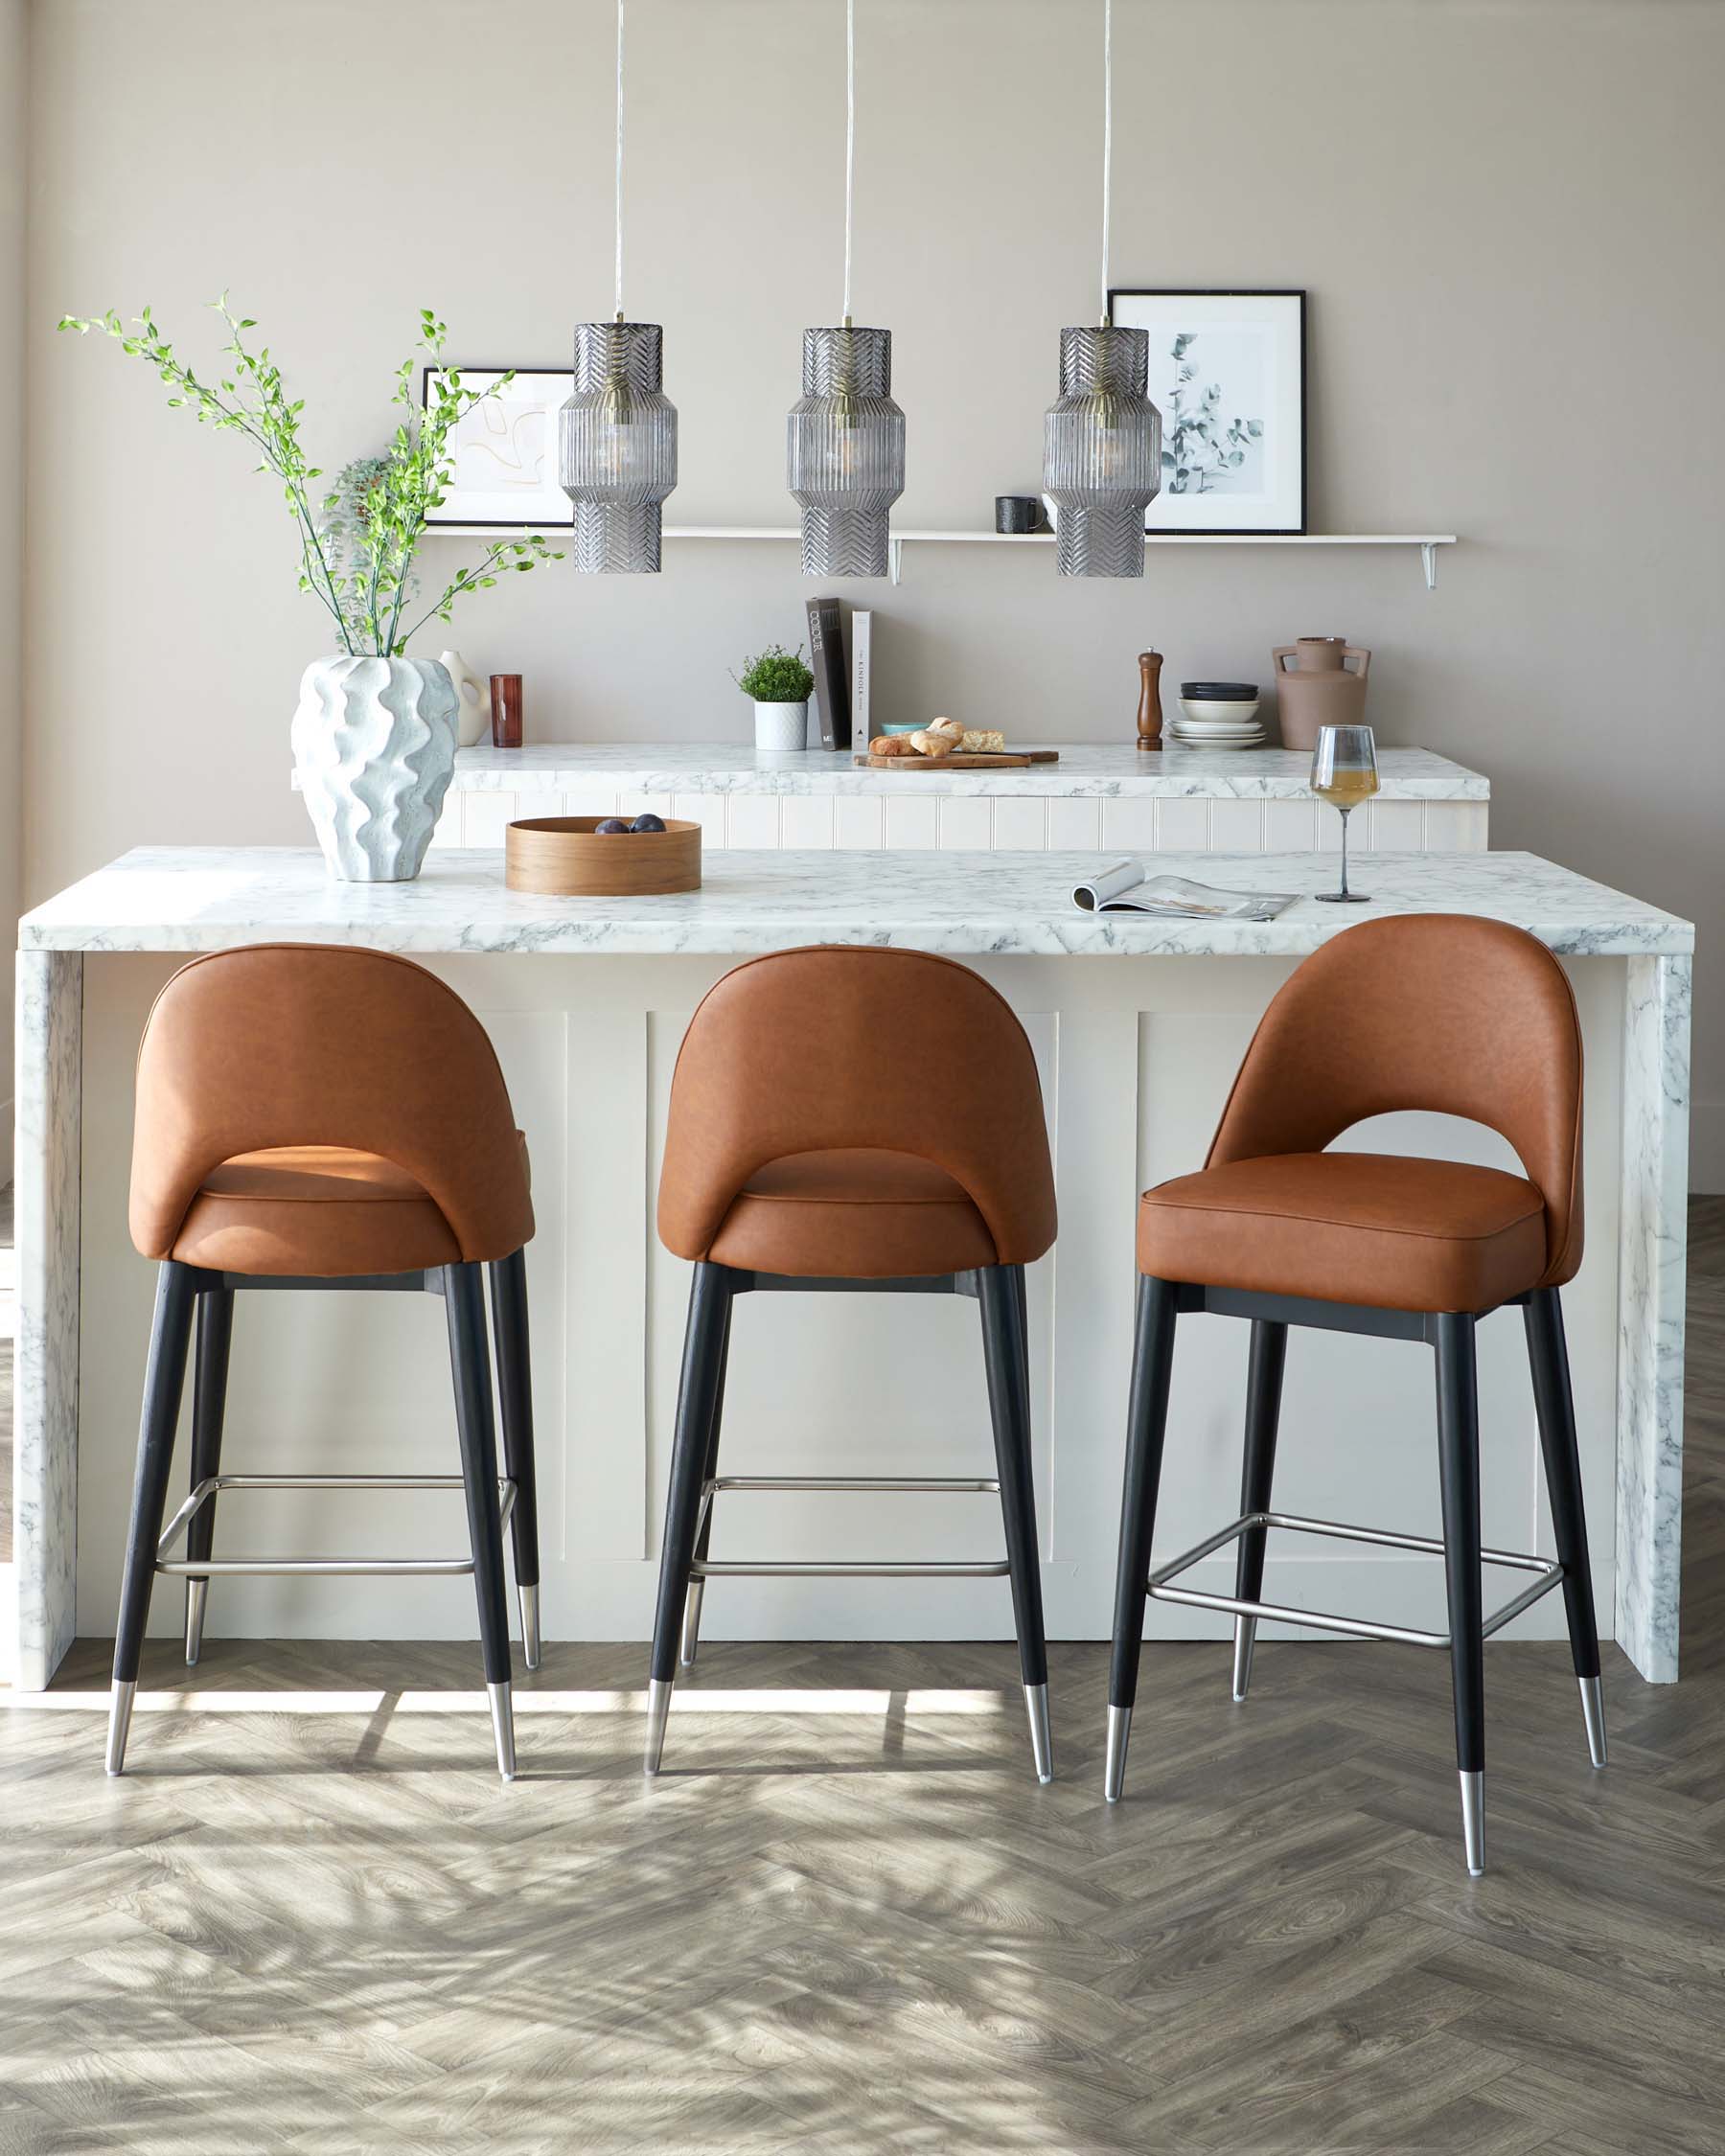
(647, 821)
(611, 827)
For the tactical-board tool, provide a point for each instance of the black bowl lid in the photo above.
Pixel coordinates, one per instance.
(1220, 691)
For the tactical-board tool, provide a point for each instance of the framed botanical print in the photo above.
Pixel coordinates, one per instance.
(503, 454)
(1227, 375)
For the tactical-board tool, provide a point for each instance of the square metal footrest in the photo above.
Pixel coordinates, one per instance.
(940, 1485)
(212, 1567)
(1549, 1569)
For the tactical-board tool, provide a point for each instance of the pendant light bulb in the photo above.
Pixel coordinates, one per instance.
(617, 437)
(845, 436)
(1102, 436)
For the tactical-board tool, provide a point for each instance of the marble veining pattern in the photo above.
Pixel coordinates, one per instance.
(1651, 1259)
(49, 1040)
(163, 897)
(1105, 770)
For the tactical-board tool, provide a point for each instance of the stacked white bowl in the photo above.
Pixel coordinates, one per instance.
(1218, 715)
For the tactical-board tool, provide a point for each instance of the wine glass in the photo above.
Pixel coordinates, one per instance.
(1344, 773)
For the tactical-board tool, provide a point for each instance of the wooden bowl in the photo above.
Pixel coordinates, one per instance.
(563, 855)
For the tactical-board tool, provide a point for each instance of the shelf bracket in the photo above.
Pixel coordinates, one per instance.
(896, 560)
(1428, 554)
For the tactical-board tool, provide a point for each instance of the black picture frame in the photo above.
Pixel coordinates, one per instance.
(1296, 296)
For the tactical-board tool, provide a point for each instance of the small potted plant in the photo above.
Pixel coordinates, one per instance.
(375, 734)
(779, 683)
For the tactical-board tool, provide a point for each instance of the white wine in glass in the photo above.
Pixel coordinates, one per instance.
(1344, 773)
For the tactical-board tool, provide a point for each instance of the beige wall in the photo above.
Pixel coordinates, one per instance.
(1506, 215)
(14, 138)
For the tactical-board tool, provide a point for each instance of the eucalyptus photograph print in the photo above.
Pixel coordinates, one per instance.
(503, 451)
(1227, 375)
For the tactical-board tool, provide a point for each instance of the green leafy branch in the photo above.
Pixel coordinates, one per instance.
(357, 557)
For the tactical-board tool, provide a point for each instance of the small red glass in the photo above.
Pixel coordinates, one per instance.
(506, 710)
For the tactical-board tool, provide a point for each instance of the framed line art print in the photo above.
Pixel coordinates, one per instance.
(1227, 375)
(503, 455)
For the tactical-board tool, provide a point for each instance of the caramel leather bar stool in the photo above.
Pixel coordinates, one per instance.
(852, 1119)
(311, 1117)
(1438, 1012)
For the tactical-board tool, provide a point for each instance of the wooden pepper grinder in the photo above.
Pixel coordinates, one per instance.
(1149, 711)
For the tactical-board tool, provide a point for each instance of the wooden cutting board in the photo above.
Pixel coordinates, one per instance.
(959, 760)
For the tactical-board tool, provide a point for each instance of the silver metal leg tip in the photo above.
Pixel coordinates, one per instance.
(1473, 1822)
(198, 1594)
(502, 1714)
(531, 1653)
(120, 1715)
(690, 1643)
(1114, 1774)
(1042, 1743)
(1245, 1635)
(658, 1715)
(1592, 1713)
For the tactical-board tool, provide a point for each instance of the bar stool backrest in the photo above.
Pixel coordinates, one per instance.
(293, 1045)
(1438, 1011)
(838, 1048)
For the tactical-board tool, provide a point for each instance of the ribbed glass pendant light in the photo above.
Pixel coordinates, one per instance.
(1102, 437)
(617, 437)
(846, 441)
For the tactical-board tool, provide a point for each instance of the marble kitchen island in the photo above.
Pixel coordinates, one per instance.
(1137, 1025)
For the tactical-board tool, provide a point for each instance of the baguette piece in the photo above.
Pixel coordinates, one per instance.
(930, 741)
(893, 745)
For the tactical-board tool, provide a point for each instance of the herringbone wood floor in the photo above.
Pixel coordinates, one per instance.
(870, 1930)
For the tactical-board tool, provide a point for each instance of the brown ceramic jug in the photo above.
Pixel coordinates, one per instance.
(1314, 687)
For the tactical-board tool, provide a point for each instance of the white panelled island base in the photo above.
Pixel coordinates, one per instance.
(1137, 1025)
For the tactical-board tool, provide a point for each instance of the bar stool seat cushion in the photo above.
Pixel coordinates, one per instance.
(1390, 1232)
(855, 1212)
(324, 1211)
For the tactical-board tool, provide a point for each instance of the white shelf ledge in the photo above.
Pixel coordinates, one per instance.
(1428, 542)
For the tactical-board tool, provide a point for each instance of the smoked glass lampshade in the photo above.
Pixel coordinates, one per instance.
(1102, 453)
(846, 446)
(617, 446)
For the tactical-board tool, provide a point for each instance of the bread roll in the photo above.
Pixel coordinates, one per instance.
(949, 726)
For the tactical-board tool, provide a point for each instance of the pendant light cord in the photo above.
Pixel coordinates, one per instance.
(1107, 137)
(619, 188)
(850, 144)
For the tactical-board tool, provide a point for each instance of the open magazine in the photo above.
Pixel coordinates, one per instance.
(1124, 888)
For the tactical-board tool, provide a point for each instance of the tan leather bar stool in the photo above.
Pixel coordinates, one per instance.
(1437, 1012)
(311, 1117)
(852, 1119)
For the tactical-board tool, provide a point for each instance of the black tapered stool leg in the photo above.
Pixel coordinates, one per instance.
(464, 1302)
(1547, 1355)
(1005, 1356)
(697, 1407)
(1263, 1410)
(164, 1382)
(1459, 1467)
(514, 1399)
(1146, 1426)
(704, 1536)
(209, 1403)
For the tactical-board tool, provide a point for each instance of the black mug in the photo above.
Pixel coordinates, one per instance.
(1017, 513)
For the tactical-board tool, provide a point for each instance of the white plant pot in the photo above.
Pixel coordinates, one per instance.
(472, 696)
(374, 744)
(781, 727)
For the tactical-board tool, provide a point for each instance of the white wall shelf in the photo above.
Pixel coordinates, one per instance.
(1428, 542)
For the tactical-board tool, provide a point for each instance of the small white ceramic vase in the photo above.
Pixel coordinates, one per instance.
(781, 727)
(473, 720)
(374, 744)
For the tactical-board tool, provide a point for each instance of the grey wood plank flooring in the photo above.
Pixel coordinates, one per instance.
(840, 1932)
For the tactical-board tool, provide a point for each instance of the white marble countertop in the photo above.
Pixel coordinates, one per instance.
(194, 898)
(1107, 769)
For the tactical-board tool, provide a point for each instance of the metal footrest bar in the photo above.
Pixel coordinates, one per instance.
(961, 1486)
(213, 1567)
(1548, 1570)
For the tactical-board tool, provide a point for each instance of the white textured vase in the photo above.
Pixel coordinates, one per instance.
(781, 727)
(374, 744)
(473, 697)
